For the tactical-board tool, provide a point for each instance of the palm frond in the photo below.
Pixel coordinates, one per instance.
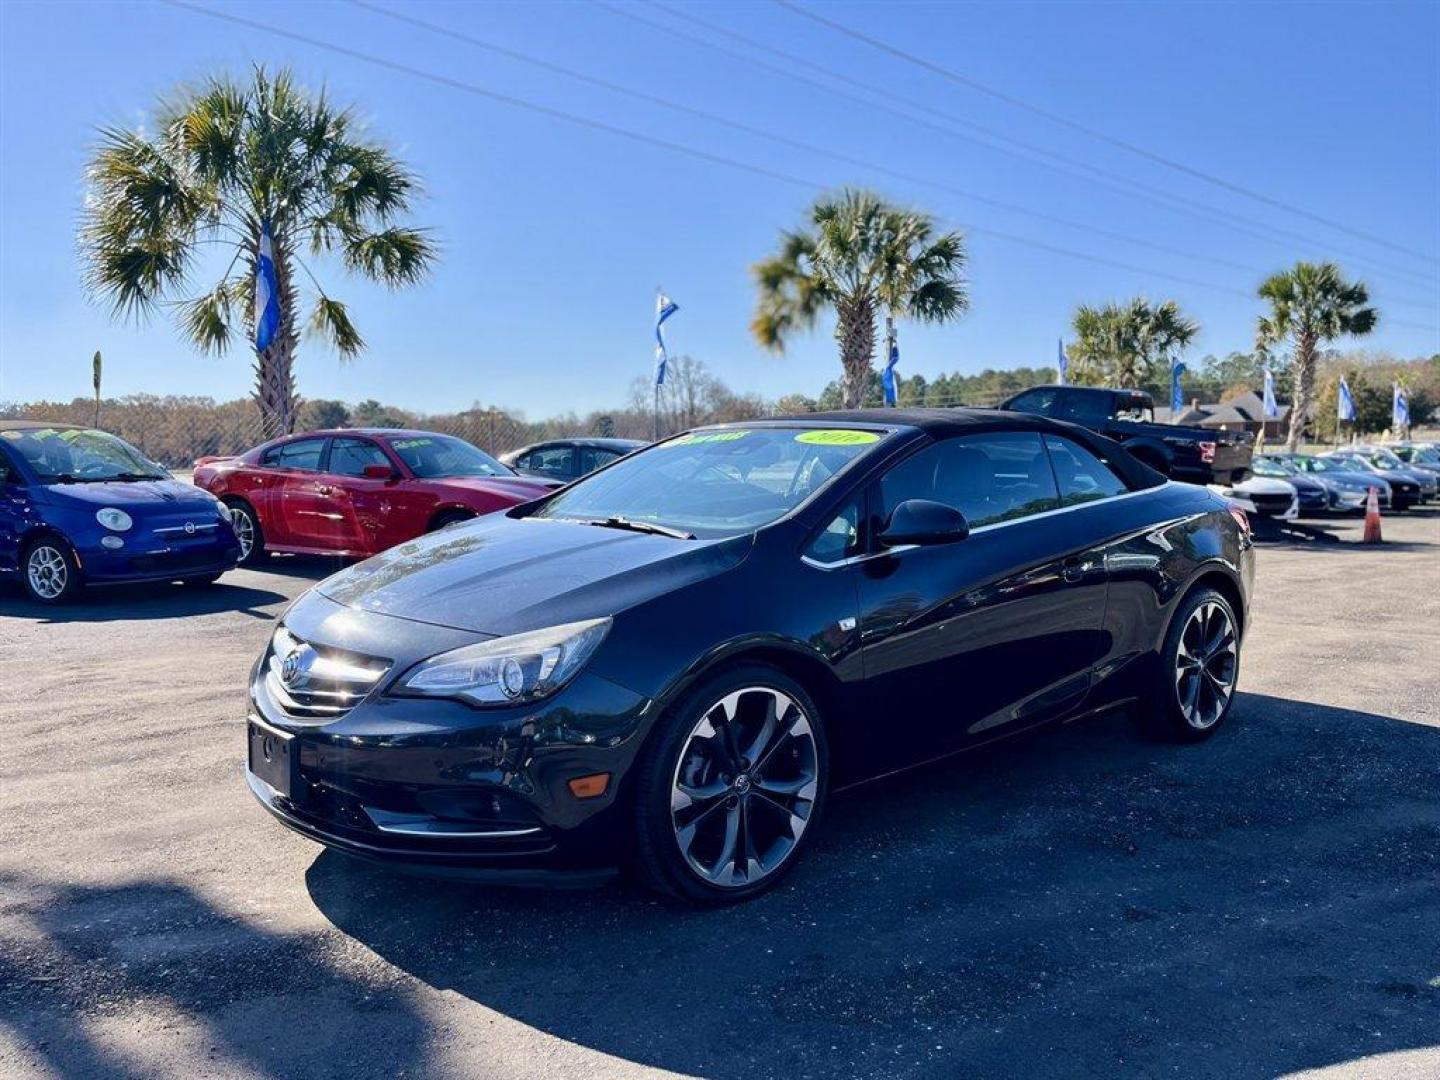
(395, 256)
(207, 320)
(331, 320)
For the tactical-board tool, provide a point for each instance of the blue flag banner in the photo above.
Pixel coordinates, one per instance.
(267, 293)
(887, 376)
(1401, 418)
(1062, 362)
(1177, 396)
(664, 308)
(1345, 403)
(1272, 410)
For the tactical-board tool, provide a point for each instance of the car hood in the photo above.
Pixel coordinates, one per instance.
(1367, 479)
(501, 575)
(133, 496)
(1264, 485)
(523, 488)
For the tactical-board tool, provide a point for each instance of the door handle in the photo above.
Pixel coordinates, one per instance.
(1073, 570)
(325, 489)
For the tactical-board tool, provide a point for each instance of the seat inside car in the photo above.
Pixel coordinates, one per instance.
(965, 479)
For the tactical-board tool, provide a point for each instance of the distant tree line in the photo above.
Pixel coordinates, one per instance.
(176, 429)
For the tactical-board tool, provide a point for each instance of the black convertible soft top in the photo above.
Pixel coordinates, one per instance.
(943, 423)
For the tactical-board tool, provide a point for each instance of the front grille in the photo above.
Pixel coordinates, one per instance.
(317, 682)
(178, 560)
(1271, 504)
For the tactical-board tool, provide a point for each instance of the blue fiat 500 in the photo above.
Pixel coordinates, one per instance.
(79, 507)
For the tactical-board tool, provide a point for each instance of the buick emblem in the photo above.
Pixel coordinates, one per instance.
(189, 528)
(290, 667)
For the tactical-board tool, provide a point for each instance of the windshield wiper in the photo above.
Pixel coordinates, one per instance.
(139, 476)
(618, 522)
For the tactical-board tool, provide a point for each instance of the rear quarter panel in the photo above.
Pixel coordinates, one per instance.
(1185, 533)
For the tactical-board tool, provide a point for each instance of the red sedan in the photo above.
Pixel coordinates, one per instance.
(356, 492)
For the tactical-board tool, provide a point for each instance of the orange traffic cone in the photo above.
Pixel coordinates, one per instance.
(1372, 519)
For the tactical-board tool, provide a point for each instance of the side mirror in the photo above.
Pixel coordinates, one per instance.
(922, 521)
(380, 472)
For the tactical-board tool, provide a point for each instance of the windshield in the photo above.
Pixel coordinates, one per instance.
(76, 455)
(1272, 467)
(433, 456)
(1420, 453)
(715, 483)
(1386, 460)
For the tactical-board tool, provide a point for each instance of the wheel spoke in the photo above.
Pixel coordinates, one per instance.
(724, 865)
(761, 742)
(801, 787)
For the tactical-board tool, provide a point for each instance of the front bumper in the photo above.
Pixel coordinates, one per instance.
(147, 554)
(441, 787)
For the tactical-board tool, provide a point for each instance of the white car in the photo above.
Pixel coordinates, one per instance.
(1264, 496)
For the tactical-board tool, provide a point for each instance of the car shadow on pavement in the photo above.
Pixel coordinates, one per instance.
(120, 981)
(1082, 902)
(128, 603)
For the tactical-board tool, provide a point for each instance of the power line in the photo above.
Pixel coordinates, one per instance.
(666, 103)
(650, 140)
(1031, 154)
(1095, 133)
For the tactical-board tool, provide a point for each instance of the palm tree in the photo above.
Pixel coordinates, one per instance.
(1123, 345)
(227, 166)
(862, 257)
(1311, 304)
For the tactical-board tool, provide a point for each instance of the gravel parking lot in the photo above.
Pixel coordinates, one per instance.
(1079, 903)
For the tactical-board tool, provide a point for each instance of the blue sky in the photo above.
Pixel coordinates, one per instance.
(555, 236)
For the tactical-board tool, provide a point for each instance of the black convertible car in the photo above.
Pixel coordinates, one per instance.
(673, 662)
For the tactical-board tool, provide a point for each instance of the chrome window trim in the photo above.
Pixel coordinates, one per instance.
(1107, 500)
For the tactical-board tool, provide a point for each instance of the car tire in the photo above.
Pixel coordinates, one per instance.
(49, 572)
(249, 532)
(702, 807)
(200, 580)
(1199, 667)
(448, 518)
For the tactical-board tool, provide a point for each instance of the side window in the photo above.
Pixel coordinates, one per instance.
(1040, 401)
(303, 454)
(840, 538)
(988, 478)
(593, 457)
(348, 457)
(1082, 476)
(1088, 408)
(9, 474)
(556, 461)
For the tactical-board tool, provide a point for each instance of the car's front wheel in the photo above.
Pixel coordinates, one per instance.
(1199, 667)
(50, 572)
(730, 789)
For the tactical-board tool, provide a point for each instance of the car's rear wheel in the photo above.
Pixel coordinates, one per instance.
(730, 789)
(1199, 667)
(248, 532)
(50, 572)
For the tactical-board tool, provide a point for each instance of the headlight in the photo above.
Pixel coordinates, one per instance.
(113, 519)
(522, 667)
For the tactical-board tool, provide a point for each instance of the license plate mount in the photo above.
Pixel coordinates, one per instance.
(272, 757)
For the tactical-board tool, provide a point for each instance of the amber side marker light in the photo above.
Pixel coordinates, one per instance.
(590, 787)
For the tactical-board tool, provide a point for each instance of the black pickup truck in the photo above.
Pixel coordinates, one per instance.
(1192, 454)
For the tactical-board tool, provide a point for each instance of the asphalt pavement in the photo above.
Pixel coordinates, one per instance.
(1079, 903)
